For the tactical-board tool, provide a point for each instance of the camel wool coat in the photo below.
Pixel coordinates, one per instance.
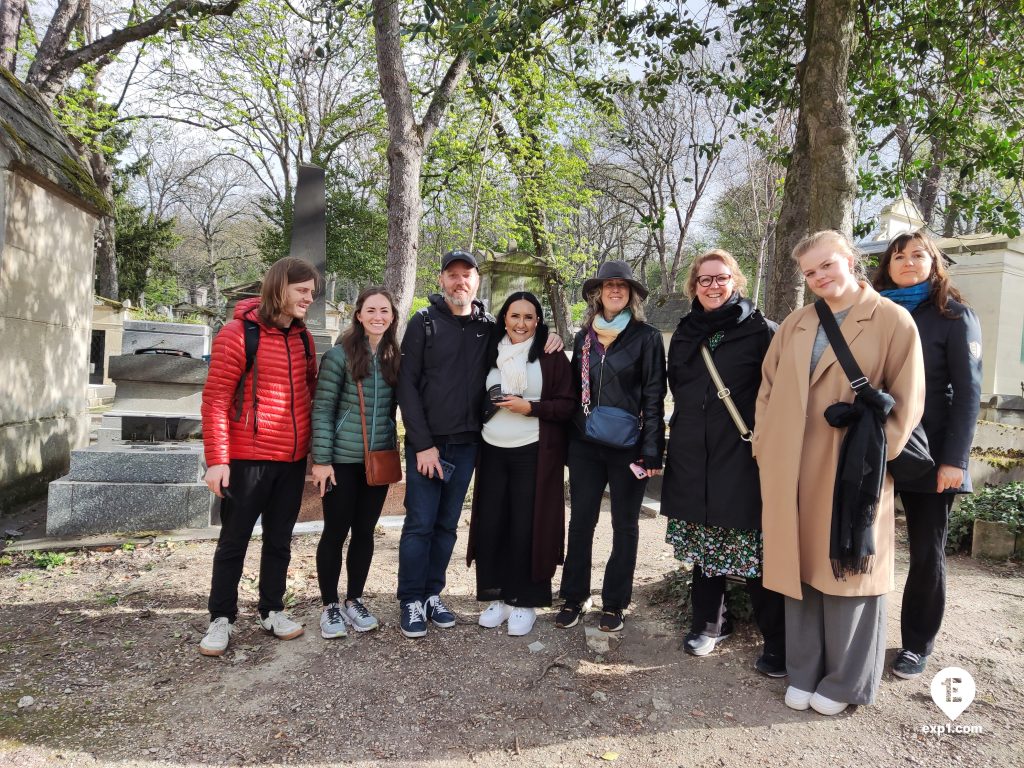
(797, 451)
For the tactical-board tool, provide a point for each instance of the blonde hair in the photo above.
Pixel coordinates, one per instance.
(839, 240)
(595, 307)
(274, 293)
(715, 254)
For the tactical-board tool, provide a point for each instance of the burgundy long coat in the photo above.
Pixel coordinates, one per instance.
(556, 406)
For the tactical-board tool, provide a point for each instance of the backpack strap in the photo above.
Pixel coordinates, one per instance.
(304, 335)
(428, 326)
(252, 343)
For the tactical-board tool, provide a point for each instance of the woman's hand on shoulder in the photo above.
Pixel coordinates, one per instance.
(553, 344)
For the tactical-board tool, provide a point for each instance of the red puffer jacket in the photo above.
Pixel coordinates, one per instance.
(279, 429)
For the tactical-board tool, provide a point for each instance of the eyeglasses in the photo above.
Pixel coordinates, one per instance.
(705, 281)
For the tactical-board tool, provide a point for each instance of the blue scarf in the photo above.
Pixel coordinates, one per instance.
(909, 298)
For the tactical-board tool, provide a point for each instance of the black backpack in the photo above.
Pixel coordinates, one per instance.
(252, 343)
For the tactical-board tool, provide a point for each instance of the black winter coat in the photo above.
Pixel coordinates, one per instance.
(952, 366)
(710, 474)
(631, 376)
(441, 381)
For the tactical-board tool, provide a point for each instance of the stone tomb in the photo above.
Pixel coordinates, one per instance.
(146, 471)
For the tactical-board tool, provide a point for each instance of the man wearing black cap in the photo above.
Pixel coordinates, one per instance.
(440, 392)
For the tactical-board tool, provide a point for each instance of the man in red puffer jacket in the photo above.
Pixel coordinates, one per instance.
(256, 448)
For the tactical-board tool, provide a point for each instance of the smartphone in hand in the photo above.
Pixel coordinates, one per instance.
(448, 469)
(638, 472)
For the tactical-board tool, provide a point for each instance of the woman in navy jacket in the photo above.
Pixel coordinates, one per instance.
(912, 272)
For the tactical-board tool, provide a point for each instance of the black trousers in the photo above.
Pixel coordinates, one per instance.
(707, 596)
(924, 596)
(273, 490)
(506, 480)
(354, 506)
(591, 468)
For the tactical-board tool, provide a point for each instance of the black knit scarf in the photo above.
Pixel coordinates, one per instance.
(700, 324)
(859, 478)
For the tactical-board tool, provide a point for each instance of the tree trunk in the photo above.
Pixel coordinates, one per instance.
(11, 12)
(407, 143)
(106, 243)
(821, 181)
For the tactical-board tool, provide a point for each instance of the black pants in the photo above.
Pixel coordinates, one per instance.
(707, 595)
(272, 489)
(591, 468)
(351, 505)
(924, 596)
(503, 527)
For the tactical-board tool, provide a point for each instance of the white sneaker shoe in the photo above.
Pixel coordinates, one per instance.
(521, 621)
(215, 641)
(797, 699)
(825, 706)
(494, 615)
(281, 626)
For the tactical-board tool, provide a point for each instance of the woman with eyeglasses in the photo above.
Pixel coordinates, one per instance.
(827, 497)
(912, 272)
(711, 492)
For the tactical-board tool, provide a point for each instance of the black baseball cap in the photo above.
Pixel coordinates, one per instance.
(465, 256)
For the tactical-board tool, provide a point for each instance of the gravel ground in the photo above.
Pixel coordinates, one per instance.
(105, 646)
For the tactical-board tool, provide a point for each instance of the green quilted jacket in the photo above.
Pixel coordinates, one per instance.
(337, 432)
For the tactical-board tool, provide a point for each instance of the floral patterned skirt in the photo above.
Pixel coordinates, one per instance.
(718, 551)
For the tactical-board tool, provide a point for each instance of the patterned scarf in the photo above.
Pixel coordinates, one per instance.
(911, 297)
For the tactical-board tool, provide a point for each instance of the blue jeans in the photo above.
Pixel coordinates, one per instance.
(432, 511)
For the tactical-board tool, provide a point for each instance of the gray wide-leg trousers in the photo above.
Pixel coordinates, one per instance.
(836, 645)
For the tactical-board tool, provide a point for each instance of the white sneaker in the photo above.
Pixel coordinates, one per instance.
(825, 706)
(332, 623)
(495, 614)
(521, 621)
(359, 616)
(797, 699)
(215, 641)
(280, 624)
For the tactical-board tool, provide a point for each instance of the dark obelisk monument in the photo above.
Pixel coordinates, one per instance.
(309, 242)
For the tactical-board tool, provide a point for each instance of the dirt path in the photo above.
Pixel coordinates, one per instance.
(105, 644)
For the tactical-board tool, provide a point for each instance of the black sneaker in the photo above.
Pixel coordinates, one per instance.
(909, 665)
(611, 621)
(570, 614)
(771, 664)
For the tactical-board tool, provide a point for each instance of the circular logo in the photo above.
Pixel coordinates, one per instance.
(953, 691)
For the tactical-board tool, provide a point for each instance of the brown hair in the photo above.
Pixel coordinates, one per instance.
(942, 288)
(357, 350)
(715, 254)
(282, 273)
(842, 243)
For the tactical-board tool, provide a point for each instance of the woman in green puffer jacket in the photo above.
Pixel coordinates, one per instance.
(368, 352)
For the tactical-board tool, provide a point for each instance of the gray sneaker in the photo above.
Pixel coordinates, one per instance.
(359, 617)
(215, 642)
(332, 623)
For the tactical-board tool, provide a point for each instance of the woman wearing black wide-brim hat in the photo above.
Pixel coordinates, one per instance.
(618, 364)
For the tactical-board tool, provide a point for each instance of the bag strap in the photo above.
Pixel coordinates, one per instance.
(843, 354)
(362, 416)
(585, 374)
(251, 336)
(725, 395)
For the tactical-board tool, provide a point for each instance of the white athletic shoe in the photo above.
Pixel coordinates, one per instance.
(797, 699)
(359, 616)
(281, 625)
(495, 614)
(825, 706)
(521, 621)
(215, 641)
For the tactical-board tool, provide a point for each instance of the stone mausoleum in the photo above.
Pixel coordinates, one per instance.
(49, 208)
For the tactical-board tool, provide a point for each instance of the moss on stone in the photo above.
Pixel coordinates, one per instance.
(84, 184)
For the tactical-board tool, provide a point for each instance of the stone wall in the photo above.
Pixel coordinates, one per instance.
(46, 297)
